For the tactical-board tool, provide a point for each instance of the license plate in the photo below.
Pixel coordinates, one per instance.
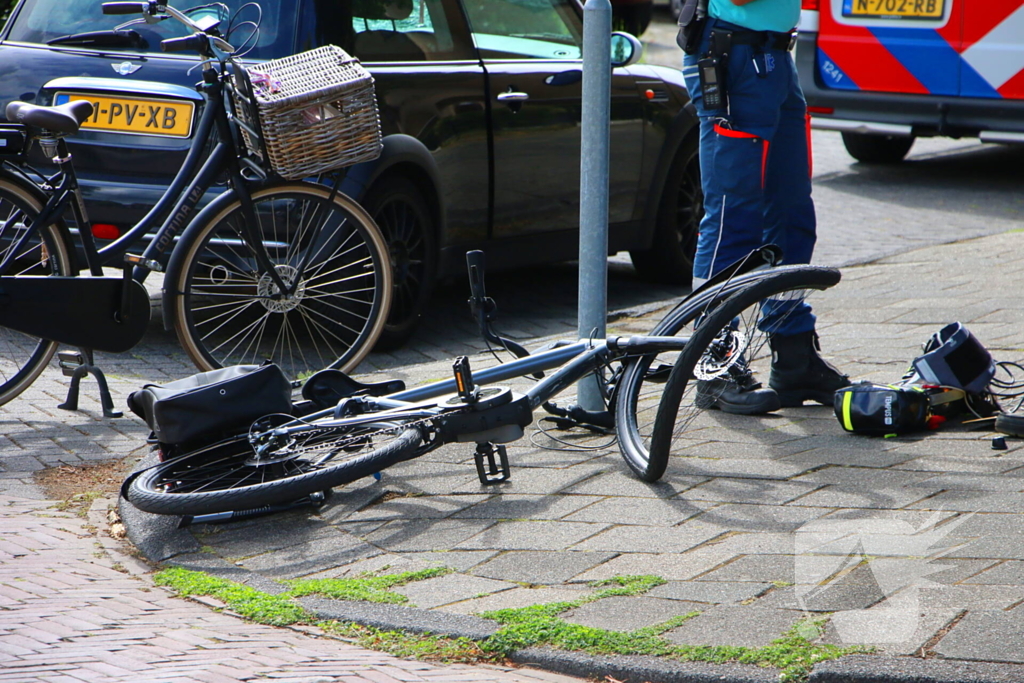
(894, 9)
(141, 116)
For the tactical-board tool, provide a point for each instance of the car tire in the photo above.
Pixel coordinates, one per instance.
(680, 209)
(871, 148)
(406, 221)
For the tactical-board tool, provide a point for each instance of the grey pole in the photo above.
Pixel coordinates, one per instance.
(595, 130)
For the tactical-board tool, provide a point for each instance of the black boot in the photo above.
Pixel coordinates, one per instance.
(736, 392)
(800, 374)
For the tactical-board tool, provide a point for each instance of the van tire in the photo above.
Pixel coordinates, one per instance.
(871, 148)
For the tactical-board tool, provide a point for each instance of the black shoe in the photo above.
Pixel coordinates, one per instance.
(736, 392)
(800, 374)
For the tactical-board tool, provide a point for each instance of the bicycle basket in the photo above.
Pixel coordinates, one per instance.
(316, 111)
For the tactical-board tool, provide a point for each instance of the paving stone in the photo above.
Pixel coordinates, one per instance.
(300, 560)
(866, 497)
(622, 613)
(772, 518)
(424, 534)
(972, 597)
(449, 588)
(530, 535)
(517, 597)
(417, 507)
(989, 635)
(740, 467)
(540, 567)
(656, 512)
(710, 592)
(856, 590)
(621, 483)
(1009, 573)
(899, 626)
(734, 625)
(866, 477)
(519, 506)
(670, 566)
(274, 533)
(990, 547)
(460, 560)
(974, 501)
(675, 539)
(772, 569)
(733, 490)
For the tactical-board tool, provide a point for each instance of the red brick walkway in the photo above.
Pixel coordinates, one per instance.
(73, 609)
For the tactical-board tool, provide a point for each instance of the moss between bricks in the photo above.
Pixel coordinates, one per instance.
(794, 653)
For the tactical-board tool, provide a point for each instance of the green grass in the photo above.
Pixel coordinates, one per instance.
(794, 652)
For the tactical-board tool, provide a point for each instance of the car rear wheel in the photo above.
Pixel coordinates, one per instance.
(670, 258)
(877, 149)
(405, 220)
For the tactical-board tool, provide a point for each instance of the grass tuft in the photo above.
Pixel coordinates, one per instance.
(370, 588)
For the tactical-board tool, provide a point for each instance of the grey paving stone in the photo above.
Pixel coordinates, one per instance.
(740, 467)
(306, 558)
(530, 535)
(974, 501)
(975, 482)
(521, 506)
(856, 590)
(540, 567)
(710, 592)
(517, 597)
(622, 613)
(990, 547)
(1009, 573)
(621, 483)
(655, 512)
(424, 534)
(772, 569)
(735, 625)
(733, 490)
(449, 588)
(972, 597)
(772, 518)
(986, 524)
(754, 543)
(991, 635)
(269, 533)
(461, 560)
(866, 497)
(417, 507)
(675, 539)
(981, 462)
(900, 627)
(862, 476)
(385, 563)
(670, 566)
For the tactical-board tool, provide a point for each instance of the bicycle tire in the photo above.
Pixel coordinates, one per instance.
(216, 478)
(644, 384)
(23, 357)
(224, 310)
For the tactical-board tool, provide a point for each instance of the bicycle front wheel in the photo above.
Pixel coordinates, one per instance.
(327, 251)
(46, 253)
(228, 475)
(644, 386)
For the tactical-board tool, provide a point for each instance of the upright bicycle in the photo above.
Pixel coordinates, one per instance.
(289, 270)
(656, 391)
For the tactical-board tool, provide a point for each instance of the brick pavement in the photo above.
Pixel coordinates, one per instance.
(73, 609)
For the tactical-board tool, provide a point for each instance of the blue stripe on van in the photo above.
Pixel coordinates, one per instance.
(926, 55)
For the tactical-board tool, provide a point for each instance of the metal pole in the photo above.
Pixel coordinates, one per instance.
(595, 130)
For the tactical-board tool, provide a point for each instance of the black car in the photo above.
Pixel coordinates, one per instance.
(480, 104)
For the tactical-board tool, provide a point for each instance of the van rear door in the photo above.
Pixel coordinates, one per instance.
(900, 46)
(993, 49)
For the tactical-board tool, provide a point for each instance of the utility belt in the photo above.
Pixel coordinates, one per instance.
(712, 66)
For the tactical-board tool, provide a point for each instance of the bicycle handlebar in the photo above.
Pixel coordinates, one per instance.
(172, 44)
(194, 42)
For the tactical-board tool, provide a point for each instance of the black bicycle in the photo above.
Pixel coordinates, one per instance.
(289, 270)
(657, 392)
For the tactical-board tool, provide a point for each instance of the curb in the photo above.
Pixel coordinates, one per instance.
(160, 540)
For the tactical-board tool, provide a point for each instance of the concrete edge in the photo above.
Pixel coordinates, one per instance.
(873, 669)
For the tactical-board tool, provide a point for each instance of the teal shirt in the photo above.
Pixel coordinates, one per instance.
(759, 15)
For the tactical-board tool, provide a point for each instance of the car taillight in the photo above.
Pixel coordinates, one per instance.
(105, 231)
(809, 4)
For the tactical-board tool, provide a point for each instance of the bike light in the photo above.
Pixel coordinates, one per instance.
(105, 231)
(809, 5)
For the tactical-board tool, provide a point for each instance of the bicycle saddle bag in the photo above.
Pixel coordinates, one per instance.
(882, 409)
(210, 404)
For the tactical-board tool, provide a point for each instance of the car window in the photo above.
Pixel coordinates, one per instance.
(394, 30)
(41, 21)
(542, 29)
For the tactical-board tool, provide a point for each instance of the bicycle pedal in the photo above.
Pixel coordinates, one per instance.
(488, 469)
(69, 361)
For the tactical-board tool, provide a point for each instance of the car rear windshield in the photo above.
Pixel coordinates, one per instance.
(44, 21)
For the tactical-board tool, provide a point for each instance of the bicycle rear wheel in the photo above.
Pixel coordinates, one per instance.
(230, 312)
(47, 253)
(643, 386)
(226, 476)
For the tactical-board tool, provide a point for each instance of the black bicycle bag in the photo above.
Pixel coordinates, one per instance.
(13, 141)
(209, 405)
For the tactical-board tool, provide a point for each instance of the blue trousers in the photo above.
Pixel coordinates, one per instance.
(755, 166)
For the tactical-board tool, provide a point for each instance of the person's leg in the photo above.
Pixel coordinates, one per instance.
(798, 373)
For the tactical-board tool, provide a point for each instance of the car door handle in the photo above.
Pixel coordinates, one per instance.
(513, 97)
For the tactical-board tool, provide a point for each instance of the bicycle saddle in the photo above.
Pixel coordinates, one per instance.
(64, 118)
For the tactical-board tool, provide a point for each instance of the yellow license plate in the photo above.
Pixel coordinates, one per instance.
(894, 9)
(142, 116)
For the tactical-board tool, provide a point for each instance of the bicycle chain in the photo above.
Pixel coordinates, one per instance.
(341, 443)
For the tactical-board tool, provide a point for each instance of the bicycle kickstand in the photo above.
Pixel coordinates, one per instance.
(78, 364)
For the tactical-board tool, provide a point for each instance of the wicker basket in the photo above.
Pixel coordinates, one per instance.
(316, 111)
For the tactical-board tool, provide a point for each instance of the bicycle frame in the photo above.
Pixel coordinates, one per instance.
(572, 360)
